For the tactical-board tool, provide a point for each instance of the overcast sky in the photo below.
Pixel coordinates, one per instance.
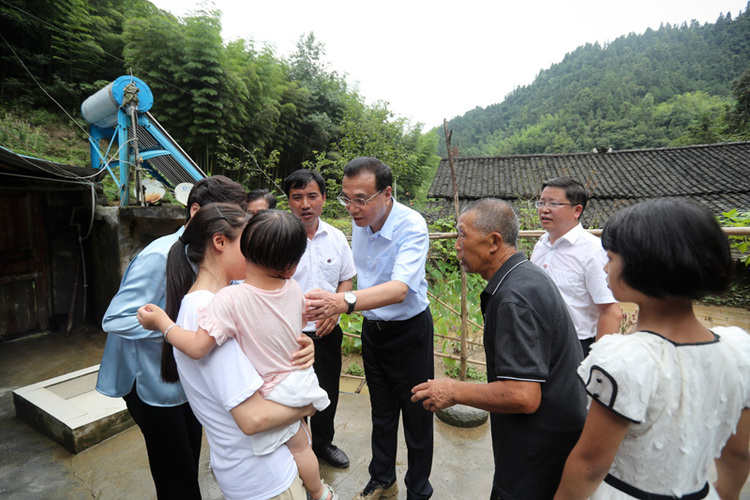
(438, 59)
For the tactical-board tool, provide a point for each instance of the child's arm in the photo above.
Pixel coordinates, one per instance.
(194, 344)
(153, 317)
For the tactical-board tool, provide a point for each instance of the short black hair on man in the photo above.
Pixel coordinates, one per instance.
(495, 216)
(670, 247)
(574, 190)
(301, 178)
(257, 194)
(275, 239)
(383, 174)
(215, 189)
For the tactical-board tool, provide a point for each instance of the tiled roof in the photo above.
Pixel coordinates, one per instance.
(717, 175)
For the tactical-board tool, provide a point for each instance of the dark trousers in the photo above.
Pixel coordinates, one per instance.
(173, 442)
(397, 356)
(327, 367)
(586, 345)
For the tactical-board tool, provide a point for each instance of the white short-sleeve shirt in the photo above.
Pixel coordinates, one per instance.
(327, 261)
(683, 402)
(575, 262)
(214, 385)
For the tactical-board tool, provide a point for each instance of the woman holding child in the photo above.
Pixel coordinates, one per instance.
(223, 386)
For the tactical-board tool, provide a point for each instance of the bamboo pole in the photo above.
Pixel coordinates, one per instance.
(464, 285)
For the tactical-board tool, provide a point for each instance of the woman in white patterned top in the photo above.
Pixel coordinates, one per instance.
(671, 396)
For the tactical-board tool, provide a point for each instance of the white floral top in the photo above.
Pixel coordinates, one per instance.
(683, 400)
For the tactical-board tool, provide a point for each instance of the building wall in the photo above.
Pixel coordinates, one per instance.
(119, 234)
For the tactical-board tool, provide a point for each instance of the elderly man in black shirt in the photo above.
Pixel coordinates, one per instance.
(537, 404)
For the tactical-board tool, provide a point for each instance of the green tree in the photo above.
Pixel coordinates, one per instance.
(373, 131)
(740, 117)
(325, 104)
(153, 52)
(202, 75)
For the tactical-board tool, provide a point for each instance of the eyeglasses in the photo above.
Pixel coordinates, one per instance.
(357, 202)
(551, 204)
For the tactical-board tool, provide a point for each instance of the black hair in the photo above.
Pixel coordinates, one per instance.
(215, 189)
(257, 194)
(274, 239)
(495, 216)
(301, 178)
(190, 250)
(670, 247)
(382, 172)
(574, 190)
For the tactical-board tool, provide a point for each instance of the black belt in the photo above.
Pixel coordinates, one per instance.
(383, 326)
(314, 335)
(645, 495)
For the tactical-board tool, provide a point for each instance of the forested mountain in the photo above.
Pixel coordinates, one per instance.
(236, 108)
(665, 87)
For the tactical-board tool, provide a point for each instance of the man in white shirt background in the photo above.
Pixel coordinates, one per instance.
(575, 259)
(327, 264)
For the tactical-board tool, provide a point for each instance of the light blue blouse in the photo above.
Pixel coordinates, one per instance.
(397, 252)
(132, 354)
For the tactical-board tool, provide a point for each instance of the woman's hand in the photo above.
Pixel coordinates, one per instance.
(153, 317)
(305, 356)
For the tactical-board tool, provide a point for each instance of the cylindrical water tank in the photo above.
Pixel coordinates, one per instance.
(101, 108)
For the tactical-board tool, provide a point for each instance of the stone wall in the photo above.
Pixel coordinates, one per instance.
(119, 234)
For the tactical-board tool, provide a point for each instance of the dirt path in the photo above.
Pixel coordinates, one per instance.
(713, 316)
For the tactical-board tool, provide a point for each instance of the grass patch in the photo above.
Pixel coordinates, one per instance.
(41, 134)
(471, 373)
(355, 369)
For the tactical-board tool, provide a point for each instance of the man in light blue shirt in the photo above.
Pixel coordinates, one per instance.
(390, 244)
(131, 363)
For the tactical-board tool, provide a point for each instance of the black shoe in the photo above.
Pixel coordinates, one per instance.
(376, 490)
(334, 456)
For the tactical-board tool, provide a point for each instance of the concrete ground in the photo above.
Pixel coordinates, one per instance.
(34, 467)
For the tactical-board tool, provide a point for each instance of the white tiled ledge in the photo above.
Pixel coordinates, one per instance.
(68, 410)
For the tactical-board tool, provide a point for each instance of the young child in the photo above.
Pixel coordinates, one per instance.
(673, 395)
(264, 315)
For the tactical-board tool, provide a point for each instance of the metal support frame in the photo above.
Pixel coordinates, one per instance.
(125, 156)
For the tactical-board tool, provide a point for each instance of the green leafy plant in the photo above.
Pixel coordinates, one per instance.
(355, 369)
(351, 324)
(442, 251)
(471, 373)
(449, 347)
(734, 218)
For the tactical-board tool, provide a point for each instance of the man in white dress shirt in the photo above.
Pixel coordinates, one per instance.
(327, 264)
(575, 259)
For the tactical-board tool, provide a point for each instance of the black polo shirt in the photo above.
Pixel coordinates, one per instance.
(529, 336)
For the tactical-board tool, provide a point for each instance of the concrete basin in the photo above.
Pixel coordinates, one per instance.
(68, 410)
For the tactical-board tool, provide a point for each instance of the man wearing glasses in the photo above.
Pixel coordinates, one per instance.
(575, 259)
(390, 243)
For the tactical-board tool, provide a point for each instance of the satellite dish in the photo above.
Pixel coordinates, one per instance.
(153, 191)
(182, 191)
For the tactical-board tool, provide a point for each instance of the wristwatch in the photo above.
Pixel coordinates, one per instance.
(350, 298)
